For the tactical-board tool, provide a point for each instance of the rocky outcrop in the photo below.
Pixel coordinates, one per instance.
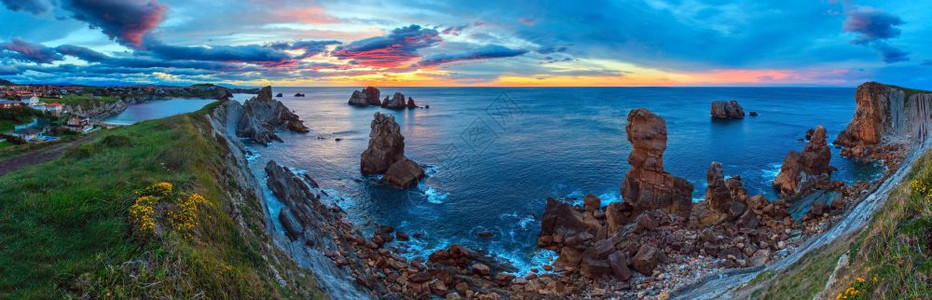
(258, 118)
(396, 102)
(727, 110)
(365, 97)
(884, 115)
(647, 186)
(411, 103)
(101, 110)
(802, 172)
(724, 199)
(386, 154)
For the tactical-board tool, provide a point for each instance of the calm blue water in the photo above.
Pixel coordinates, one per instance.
(156, 110)
(559, 142)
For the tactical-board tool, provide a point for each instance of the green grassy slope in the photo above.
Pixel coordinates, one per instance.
(64, 228)
(891, 258)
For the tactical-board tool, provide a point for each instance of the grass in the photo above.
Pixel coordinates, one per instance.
(64, 230)
(83, 101)
(891, 258)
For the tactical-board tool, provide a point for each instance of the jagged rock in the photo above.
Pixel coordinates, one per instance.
(647, 186)
(594, 268)
(592, 203)
(299, 95)
(753, 114)
(885, 114)
(411, 103)
(760, 258)
(562, 219)
(801, 172)
(727, 110)
(404, 173)
(386, 154)
(279, 95)
(725, 199)
(619, 264)
(257, 118)
(371, 94)
(358, 99)
(617, 214)
(396, 102)
(646, 259)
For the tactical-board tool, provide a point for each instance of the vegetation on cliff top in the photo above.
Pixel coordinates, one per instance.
(66, 231)
(891, 258)
(6, 82)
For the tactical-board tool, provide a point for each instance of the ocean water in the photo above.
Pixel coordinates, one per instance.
(156, 110)
(494, 155)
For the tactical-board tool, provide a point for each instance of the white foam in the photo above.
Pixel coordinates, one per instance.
(435, 196)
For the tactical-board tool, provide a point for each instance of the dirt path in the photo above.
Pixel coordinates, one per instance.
(721, 286)
(38, 156)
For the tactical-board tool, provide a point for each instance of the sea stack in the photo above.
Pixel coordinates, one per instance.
(727, 110)
(885, 115)
(801, 172)
(386, 154)
(647, 186)
(397, 101)
(366, 97)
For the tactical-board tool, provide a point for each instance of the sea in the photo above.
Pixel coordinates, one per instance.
(494, 155)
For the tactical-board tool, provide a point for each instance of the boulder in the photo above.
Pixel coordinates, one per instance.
(592, 203)
(396, 102)
(562, 219)
(404, 174)
(724, 198)
(594, 268)
(647, 186)
(646, 259)
(617, 214)
(727, 110)
(618, 262)
(801, 172)
(760, 258)
(385, 154)
(279, 95)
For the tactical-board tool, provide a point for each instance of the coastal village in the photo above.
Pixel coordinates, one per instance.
(44, 113)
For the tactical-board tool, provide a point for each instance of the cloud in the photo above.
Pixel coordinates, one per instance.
(871, 24)
(25, 51)
(392, 50)
(310, 48)
(891, 54)
(36, 7)
(247, 53)
(127, 21)
(484, 52)
(82, 53)
(873, 27)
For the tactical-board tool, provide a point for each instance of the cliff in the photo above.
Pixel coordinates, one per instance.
(257, 119)
(885, 115)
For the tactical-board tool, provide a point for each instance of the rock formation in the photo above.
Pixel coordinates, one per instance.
(396, 102)
(647, 186)
(386, 154)
(258, 118)
(411, 103)
(801, 172)
(727, 110)
(365, 97)
(885, 115)
(279, 95)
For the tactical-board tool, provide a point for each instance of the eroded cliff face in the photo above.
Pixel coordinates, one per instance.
(258, 118)
(885, 115)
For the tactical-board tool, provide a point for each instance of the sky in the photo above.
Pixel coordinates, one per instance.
(467, 43)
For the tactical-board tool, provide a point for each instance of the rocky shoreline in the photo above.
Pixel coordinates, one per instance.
(656, 244)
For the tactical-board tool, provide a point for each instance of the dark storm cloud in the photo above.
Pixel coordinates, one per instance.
(392, 50)
(83, 53)
(30, 6)
(127, 21)
(484, 52)
(21, 50)
(873, 27)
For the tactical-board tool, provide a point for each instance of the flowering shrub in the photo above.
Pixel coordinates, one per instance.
(859, 289)
(919, 186)
(161, 199)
